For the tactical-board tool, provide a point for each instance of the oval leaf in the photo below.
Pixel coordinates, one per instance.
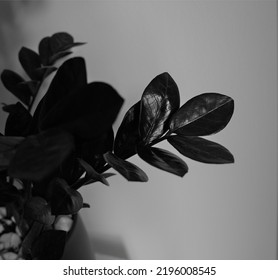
(201, 149)
(127, 135)
(30, 61)
(62, 41)
(70, 76)
(39, 155)
(204, 114)
(159, 101)
(127, 169)
(163, 159)
(63, 199)
(15, 84)
(18, 121)
(39, 210)
(82, 111)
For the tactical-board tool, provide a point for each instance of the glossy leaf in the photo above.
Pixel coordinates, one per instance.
(163, 160)
(8, 146)
(127, 135)
(30, 61)
(15, 84)
(127, 169)
(37, 209)
(62, 41)
(64, 200)
(87, 112)
(204, 114)
(201, 149)
(70, 76)
(39, 155)
(18, 121)
(159, 101)
(49, 245)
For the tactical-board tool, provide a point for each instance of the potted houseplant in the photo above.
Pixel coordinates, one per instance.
(68, 141)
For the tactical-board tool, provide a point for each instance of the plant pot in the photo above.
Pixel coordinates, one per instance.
(78, 242)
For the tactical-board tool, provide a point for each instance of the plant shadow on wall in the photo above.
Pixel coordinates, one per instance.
(68, 142)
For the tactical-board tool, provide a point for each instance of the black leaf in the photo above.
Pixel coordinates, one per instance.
(163, 159)
(17, 86)
(30, 61)
(204, 114)
(201, 149)
(38, 155)
(18, 121)
(127, 135)
(159, 101)
(64, 200)
(127, 169)
(87, 112)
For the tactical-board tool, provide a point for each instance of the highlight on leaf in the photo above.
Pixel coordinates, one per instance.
(160, 100)
(204, 114)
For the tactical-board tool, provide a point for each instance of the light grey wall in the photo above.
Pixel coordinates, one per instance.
(214, 212)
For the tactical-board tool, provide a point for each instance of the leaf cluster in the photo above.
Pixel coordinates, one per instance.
(69, 141)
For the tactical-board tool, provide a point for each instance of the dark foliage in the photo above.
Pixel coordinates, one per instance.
(69, 141)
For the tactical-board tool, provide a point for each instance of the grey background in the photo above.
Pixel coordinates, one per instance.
(230, 47)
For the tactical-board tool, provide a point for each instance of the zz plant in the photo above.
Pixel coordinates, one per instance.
(68, 142)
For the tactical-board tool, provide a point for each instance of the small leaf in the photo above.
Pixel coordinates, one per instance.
(49, 245)
(30, 61)
(127, 135)
(62, 41)
(201, 149)
(204, 114)
(105, 175)
(18, 121)
(39, 155)
(163, 159)
(63, 199)
(81, 112)
(37, 208)
(8, 146)
(159, 101)
(15, 84)
(70, 76)
(127, 169)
